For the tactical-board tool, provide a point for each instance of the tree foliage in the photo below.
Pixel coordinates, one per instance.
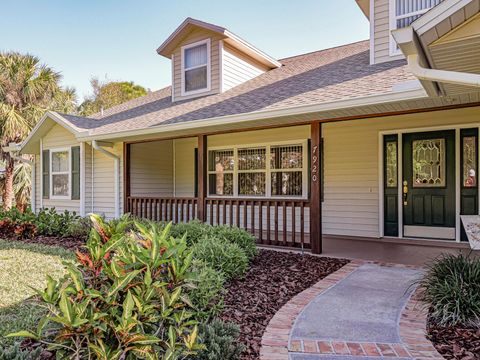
(27, 89)
(108, 94)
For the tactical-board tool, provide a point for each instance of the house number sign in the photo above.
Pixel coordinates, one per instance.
(315, 163)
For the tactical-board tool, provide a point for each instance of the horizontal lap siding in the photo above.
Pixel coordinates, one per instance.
(351, 205)
(194, 36)
(185, 167)
(151, 169)
(381, 33)
(59, 137)
(238, 68)
(103, 187)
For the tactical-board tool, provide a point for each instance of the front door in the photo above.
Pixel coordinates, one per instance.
(429, 184)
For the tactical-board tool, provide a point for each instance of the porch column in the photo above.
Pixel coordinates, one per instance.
(316, 188)
(126, 177)
(202, 177)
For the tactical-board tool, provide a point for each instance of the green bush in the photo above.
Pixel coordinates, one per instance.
(238, 236)
(220, 340)
(123, 298)
(221, 255)
(207, 294)
(14, 352)
(451, 288)
(193, 230)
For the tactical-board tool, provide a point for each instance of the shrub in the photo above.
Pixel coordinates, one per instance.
(220, 340)
(221, 255)
(193, 230)
(121, 299)
(14, 352)
(451, 288)
(207, 294)
(17, 229)
(238, 236)
(51, 223)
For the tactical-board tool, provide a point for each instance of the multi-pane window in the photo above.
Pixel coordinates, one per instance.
(405, 12)
(469, 157)
(220, 172)
(60, 173)
(271, 170)
(195, 67)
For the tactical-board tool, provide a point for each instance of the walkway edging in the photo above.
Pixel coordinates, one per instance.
(275, 339)
(276, 343)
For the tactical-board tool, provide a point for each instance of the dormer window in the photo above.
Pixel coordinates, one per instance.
(196, 67)
(405, 12)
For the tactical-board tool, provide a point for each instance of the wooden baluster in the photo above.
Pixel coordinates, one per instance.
(237, 213)
(268, 223)
(175, 208)
(252, 217)
(151, 209)
(231, 213)
(188, 209)
(171, 209)
(284, 205)
(294, 223)
(276, 222)
(211, 211)
(302, 223)
(182, 214)
(260, 220)
(245, 222)
(224, 217)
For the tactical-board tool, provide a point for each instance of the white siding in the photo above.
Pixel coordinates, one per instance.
(151, 168)
(38, 189)
(381, 33)
(103, 182)
(59, 137)
(238, 68)
(351, 204)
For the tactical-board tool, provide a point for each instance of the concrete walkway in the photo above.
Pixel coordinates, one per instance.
(357, 318)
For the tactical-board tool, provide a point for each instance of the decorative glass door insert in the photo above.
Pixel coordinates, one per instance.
(428, 163)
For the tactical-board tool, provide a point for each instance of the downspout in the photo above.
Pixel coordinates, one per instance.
(442, 76)
(116, 174)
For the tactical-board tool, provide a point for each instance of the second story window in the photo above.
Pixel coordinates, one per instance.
(405, 12)
(196, 67)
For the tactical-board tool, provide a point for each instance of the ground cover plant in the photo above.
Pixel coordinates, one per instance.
(451, 290)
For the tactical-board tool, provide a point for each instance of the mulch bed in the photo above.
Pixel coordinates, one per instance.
(273, 278)
(456, 342)
(69, 243)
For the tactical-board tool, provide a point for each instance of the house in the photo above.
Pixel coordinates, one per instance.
(373, 139)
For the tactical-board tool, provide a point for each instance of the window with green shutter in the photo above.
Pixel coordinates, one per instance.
(45, 174)
(75, 172)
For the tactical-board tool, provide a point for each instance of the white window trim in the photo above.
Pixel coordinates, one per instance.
(394, 50)
(61, 197)
(268, 171)
(183, 69)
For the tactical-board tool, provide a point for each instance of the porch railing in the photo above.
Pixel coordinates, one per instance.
(175, 209)
(272, 221)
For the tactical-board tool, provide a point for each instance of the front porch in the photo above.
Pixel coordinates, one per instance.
(262, 185)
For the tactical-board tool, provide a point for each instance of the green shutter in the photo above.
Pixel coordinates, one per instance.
(75, 173)
(46, 174)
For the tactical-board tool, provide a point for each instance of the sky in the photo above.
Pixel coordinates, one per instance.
(117, 39)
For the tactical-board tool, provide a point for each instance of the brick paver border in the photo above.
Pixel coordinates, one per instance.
(276, 343)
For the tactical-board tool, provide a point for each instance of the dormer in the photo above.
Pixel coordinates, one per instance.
(386, 16)
(208, 59)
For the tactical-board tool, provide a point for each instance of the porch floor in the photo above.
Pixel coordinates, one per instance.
(390, 250)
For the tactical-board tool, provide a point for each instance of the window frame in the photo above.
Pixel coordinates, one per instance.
(393, 49)
(268, 171)
(68, 172)
(183, 69)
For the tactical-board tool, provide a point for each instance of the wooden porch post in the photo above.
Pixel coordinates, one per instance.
(202, 177)
(126, 177)
(316, 188)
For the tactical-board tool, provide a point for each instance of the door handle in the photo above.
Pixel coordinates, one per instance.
(405, 193)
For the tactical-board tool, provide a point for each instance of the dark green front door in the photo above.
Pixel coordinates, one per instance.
(429, 184)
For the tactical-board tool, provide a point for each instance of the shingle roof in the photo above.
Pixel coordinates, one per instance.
(319, 77)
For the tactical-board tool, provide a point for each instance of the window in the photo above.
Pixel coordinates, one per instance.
(60, 173)
(196, 67)
(271, 170)
(469, 161)
(405, 12)
(428, 163)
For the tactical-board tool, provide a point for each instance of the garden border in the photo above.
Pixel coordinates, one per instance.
(276, 342)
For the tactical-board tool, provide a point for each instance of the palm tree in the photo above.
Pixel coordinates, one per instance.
(27, 89)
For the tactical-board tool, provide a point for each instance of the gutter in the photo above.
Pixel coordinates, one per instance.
(116, 173)
(442, 76)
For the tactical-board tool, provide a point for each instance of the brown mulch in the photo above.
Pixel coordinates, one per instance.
(69, 243)
(456, 342)
(273, 278)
